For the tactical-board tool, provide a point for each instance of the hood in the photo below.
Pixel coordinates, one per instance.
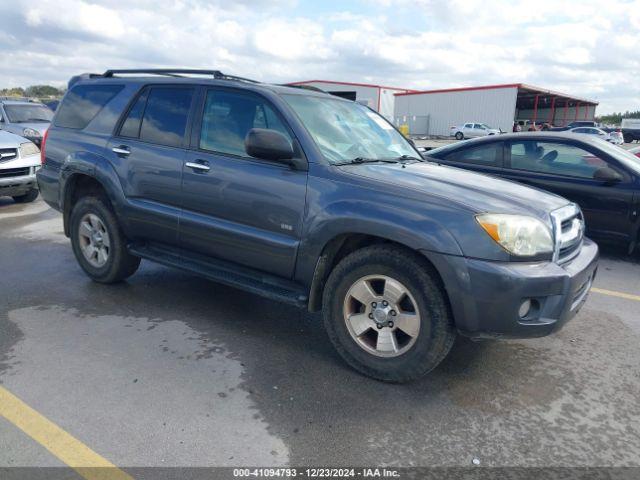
(479, 193)
(18, 128)
(10, 140)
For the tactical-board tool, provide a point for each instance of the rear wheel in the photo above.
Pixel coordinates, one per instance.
(98, 243)
(387, 315)
(459, 135)
(28, 197)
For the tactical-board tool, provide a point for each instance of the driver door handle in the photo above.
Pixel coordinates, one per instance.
(121, 150)
(198, 166)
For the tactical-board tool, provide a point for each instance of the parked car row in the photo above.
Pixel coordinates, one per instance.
(474, 130)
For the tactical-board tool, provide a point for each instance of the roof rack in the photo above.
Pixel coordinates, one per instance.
(177, 72)
(304, 87)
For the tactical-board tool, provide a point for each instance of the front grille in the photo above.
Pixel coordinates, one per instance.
(7, 154)
(14, 172)
(568, 232)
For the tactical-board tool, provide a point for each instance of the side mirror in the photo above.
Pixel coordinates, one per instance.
(607, 175)
(268, 145)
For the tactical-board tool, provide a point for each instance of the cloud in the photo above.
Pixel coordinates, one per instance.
(588, 49)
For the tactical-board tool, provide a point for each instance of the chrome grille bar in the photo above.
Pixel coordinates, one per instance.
(568, 231)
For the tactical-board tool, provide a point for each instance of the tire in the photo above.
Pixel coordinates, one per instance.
(28, 197)
(416, 355)
(116, 264)
(459, 135)
(627, 138)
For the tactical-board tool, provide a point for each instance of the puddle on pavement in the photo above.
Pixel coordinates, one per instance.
(150, 382)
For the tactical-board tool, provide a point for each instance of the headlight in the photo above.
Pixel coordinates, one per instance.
(518, 234)
(30, 132)
(28, 148)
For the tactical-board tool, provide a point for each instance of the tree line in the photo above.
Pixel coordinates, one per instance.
(32, 91)
(616, 118)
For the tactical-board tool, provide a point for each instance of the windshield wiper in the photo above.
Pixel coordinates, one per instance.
(35, 120)
(405, 158)
(358, 160)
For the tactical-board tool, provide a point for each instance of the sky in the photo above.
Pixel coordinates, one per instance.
(590, 49)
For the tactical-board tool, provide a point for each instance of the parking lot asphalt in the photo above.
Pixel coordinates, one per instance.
(168, 369)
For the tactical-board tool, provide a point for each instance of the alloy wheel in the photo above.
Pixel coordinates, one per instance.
(381, 315)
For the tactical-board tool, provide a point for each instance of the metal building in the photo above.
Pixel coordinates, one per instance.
(434, 112)
(378, 97)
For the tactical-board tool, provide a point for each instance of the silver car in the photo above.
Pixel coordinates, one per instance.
(613, 137)
(25, 118)
(472, 130)
(19, 161)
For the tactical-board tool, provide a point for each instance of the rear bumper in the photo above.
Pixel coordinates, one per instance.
(14, 186)
(48, 183)
(486, 296)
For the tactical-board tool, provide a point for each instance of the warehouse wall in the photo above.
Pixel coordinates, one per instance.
(495, 107)
(366, 95)
(387, 102)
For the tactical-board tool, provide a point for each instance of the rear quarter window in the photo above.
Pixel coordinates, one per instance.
(82, 103)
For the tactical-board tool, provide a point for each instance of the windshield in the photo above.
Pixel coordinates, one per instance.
(623, 156)
(28, 113)
(345, 131)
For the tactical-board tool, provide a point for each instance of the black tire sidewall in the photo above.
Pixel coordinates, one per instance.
(426, 352)
(460, 136)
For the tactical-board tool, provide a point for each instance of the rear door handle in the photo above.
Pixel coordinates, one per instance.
(121, 150)
(198, 166)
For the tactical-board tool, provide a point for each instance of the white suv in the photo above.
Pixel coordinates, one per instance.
(19, 161)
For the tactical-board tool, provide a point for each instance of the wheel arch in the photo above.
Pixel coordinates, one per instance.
(344, 244)
(83, 173)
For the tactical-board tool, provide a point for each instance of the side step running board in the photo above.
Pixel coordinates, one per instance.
(227, 273)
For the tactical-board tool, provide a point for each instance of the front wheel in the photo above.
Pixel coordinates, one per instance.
(387, 315)
(459, 136)
(28, 197)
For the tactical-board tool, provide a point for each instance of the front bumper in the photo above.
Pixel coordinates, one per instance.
(485, 296)
(14, 186)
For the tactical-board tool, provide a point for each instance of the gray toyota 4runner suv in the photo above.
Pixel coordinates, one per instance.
(313, 200)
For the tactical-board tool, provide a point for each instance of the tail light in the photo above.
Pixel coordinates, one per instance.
(43, 156)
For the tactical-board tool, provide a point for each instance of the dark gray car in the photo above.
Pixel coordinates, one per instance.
(314, 200)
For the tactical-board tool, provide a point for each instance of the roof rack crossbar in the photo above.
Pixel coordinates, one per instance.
(177, 72)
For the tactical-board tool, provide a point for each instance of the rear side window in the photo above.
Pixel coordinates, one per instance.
(554, 158)
(165, 116)
(488, 154)
(131, 126)
(82, 103)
